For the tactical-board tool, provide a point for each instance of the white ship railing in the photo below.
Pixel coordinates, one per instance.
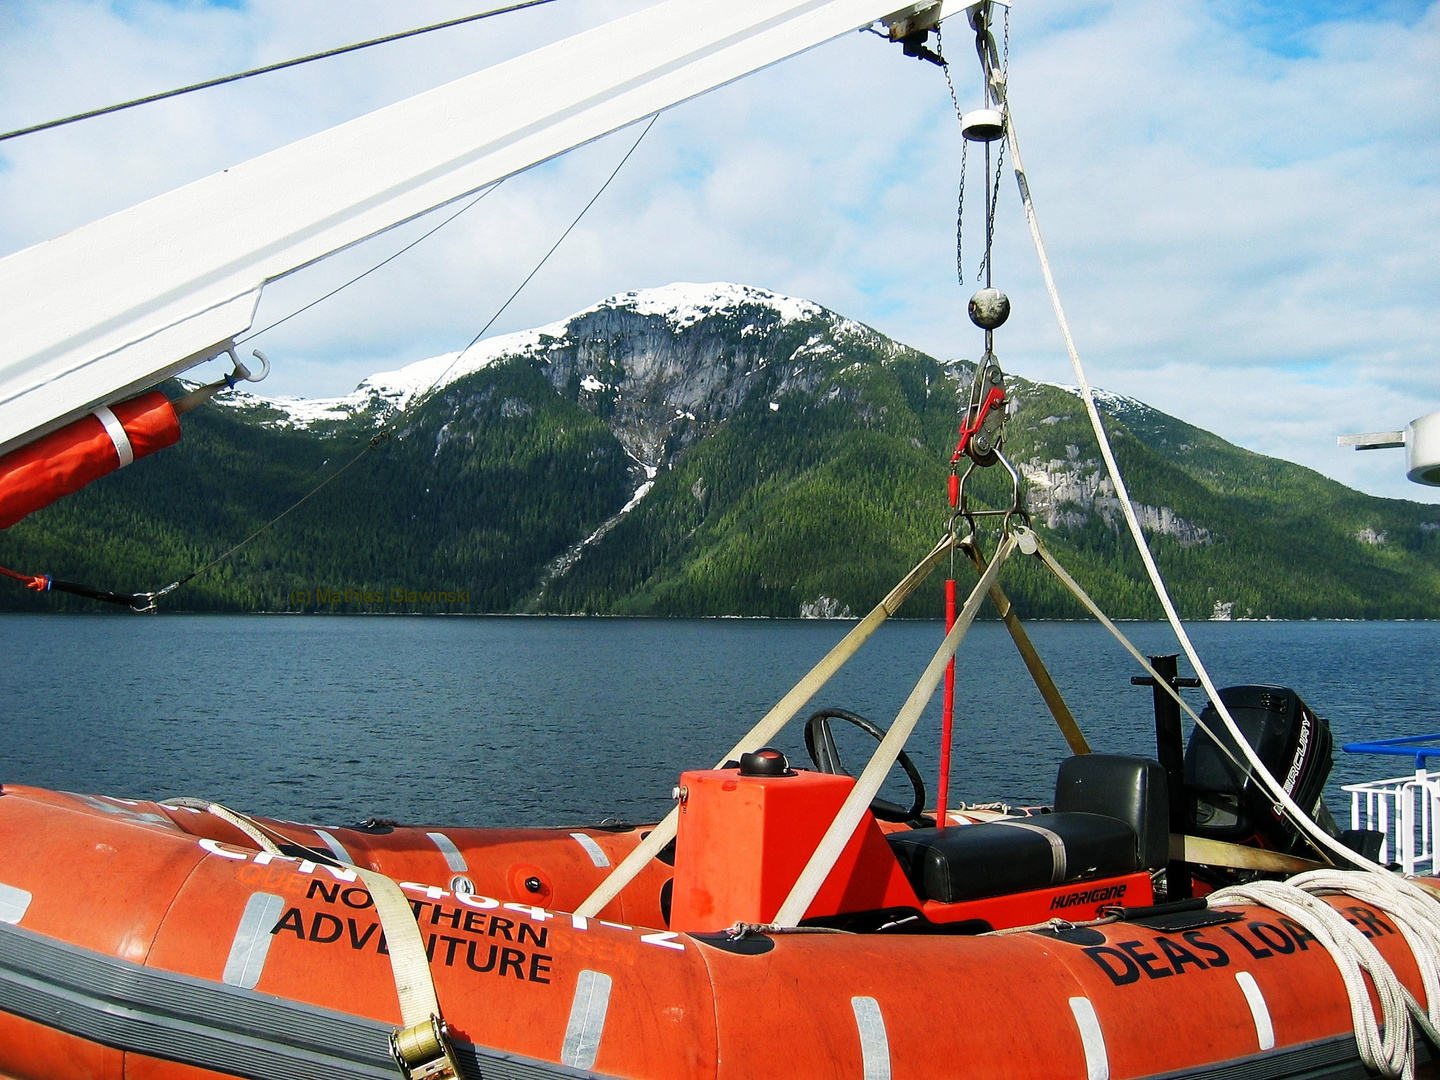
(1403, 809)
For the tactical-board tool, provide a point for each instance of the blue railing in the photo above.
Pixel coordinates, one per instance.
(1408, 747)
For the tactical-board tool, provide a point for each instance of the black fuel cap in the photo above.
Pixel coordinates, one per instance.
(767, 761)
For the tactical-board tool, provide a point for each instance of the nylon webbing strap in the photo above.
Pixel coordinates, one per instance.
(770, 725)
(1057, 845)
(421, 1045)
(1198, 849)
(413, 983)
(118, 436)
(848, 817)
(1064, 719)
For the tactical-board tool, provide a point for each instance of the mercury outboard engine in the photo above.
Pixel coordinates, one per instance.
(1225, 802)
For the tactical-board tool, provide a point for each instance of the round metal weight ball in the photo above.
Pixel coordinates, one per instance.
(989, 308)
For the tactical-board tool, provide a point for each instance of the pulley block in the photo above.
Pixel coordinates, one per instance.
(983, 430)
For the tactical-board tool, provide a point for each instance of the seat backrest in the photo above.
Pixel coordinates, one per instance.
(1132, 789)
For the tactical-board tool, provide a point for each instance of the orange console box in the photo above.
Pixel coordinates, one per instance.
(744, 839)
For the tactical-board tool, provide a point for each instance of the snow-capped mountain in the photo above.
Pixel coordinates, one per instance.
(707, 449)
(662, 366)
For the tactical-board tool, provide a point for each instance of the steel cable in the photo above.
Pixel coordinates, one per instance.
(281, 65)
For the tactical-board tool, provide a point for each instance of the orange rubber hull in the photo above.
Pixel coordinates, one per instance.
(145, 943)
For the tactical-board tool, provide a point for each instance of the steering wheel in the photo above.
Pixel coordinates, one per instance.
(820, 744)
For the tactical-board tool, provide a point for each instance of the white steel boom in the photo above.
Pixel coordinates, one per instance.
(114, 307)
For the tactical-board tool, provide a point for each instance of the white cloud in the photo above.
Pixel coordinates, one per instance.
(1244, 236)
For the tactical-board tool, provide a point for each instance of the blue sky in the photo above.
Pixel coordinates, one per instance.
(1285, 28)
(1242, 200)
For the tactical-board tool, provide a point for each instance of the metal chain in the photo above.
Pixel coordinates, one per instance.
(994, 185)
(994, 192)
(964, 148)
(960, 216)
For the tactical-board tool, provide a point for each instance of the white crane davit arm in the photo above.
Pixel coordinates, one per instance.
(1421, 440)
(116, 306)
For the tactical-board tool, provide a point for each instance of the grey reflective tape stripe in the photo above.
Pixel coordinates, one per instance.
(874, 1042)
(587, 1019)
(122, 811)
(252, 940)
(594, 850)
(13, 903)
(1259, 1010)
(210, 1025)
(1092, 1039)
(1057, 846)
(242, 1033)
(180, 1018)
(116, 431)
(453, 858)
(336, 848)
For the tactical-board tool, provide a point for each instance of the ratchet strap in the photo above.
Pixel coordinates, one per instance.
(421, 1044)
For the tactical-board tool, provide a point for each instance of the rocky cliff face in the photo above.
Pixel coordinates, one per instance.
(663, 368)
(1064, 494)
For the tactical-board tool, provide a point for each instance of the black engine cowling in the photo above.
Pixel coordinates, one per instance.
(1225, 802)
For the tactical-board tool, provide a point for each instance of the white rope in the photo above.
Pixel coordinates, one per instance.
(1414, 912)
(1297, 814)
(1412, 908)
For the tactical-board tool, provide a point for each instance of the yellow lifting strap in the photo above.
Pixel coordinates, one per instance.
(1064, 719)
(421, 1045)
(1198, 849)
(771, 724)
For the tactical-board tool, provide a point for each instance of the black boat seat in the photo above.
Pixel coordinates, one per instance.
(1111, 817)
(1133, 789)
(971, 862)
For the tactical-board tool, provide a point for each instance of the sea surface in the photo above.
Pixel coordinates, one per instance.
(510, 721)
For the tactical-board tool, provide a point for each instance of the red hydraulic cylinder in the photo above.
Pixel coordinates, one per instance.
(66, 460)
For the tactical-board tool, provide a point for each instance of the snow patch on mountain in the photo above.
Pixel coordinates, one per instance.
(681, 305)
(388, 392)
(1104, 399)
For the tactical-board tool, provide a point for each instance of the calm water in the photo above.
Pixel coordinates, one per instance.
(502, 721)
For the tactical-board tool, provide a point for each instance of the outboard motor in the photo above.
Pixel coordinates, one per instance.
(1225, 802)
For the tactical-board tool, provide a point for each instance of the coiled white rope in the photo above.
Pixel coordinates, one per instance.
(1391, 1052)
(1411, 908)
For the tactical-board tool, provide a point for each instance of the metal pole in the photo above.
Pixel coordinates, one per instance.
(1170, 749)
(947, 716)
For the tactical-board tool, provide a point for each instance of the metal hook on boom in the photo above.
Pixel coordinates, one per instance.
(242, 373)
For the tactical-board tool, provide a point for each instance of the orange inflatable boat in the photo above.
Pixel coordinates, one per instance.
(159, 941)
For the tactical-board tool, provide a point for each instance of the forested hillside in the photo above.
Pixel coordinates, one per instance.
(703, 450)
